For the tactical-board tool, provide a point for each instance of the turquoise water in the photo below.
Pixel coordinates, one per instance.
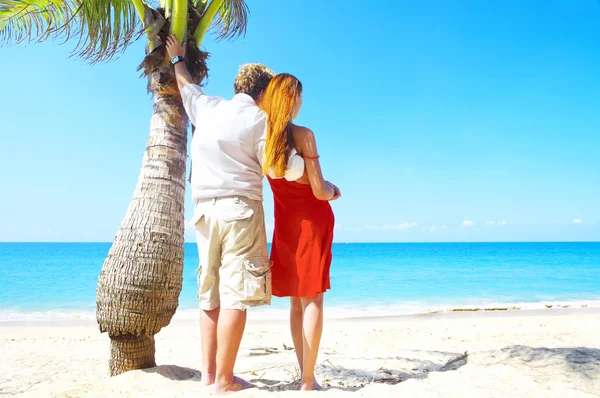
(390, 278)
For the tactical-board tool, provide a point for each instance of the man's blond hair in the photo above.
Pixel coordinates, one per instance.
(252, 79)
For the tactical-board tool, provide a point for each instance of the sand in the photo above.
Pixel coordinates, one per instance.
(552, 353)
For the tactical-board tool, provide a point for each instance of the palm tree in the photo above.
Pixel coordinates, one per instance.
(141, 278)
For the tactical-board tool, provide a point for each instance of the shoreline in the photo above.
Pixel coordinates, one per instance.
(253, 319)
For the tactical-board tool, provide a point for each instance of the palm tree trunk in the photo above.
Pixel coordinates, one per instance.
(140, 281)
(128, 352)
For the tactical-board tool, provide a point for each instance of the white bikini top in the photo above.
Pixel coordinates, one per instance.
(295, 167)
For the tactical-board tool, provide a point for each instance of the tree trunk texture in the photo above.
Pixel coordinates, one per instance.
(139, 285)
(129, 352)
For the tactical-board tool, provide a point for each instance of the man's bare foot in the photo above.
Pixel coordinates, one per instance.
(313, 386)
(206, 383)
(237, 385)
(207, 379)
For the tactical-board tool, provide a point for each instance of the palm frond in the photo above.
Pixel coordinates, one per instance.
(104, 27)
(30, 20)
(232, 19)
(107, 28)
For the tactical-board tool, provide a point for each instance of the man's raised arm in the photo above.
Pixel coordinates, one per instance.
(194, 99)
(177, 53)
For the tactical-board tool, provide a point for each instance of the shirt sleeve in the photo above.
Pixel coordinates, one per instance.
(196, 102)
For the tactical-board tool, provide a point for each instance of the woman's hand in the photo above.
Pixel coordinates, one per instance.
(336, 191)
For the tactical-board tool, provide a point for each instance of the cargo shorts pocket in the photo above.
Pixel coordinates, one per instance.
(239, 211)
(257, 278)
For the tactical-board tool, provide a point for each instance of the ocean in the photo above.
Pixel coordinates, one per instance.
(58, 280)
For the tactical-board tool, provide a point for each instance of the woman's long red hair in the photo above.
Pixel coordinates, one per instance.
(278, 102)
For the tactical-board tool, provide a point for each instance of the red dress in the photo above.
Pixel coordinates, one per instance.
(302, 240)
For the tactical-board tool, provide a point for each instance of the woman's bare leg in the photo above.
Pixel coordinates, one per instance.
(296, 327)
(312, 328)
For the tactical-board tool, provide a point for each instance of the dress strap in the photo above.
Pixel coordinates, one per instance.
(310, 157)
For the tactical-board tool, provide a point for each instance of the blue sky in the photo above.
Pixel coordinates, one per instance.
(439, 120)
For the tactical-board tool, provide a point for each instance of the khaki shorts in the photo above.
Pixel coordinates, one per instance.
(235, 271)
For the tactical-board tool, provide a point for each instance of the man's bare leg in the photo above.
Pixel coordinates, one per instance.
(312, 328)
(229, 334)
(208, 336)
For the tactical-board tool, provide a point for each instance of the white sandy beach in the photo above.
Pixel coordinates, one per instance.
(551, 353)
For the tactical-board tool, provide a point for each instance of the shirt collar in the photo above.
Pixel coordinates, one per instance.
(245, 98)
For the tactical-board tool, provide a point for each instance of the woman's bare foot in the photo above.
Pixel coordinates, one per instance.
(236, 385)
(312, 386)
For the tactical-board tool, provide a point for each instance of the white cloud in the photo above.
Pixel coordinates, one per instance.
(404, 225)
(434, 228)
(577, 221)
(338, 226)
(468, 223)
(387, 227)
(503, 222)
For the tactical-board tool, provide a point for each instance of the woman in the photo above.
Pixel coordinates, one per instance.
(304, 221)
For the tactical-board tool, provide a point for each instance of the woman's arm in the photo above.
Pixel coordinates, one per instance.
(306, 145)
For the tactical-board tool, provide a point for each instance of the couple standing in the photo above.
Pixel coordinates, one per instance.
(237, 142)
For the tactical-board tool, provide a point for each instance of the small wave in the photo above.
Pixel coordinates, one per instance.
(331, 312)
(52, 315)
(500, 306)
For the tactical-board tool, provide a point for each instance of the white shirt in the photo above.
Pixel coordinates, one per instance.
(228, 145)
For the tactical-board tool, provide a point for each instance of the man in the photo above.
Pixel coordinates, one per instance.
(227, 152)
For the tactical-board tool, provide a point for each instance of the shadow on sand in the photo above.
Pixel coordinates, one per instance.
(353, 379)
(177, 373)
(581, 360)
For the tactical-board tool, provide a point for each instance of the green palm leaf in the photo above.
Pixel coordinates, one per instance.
(227, 18)
(22, 20)
(104, 27)
(232, 19)
(107, 28)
